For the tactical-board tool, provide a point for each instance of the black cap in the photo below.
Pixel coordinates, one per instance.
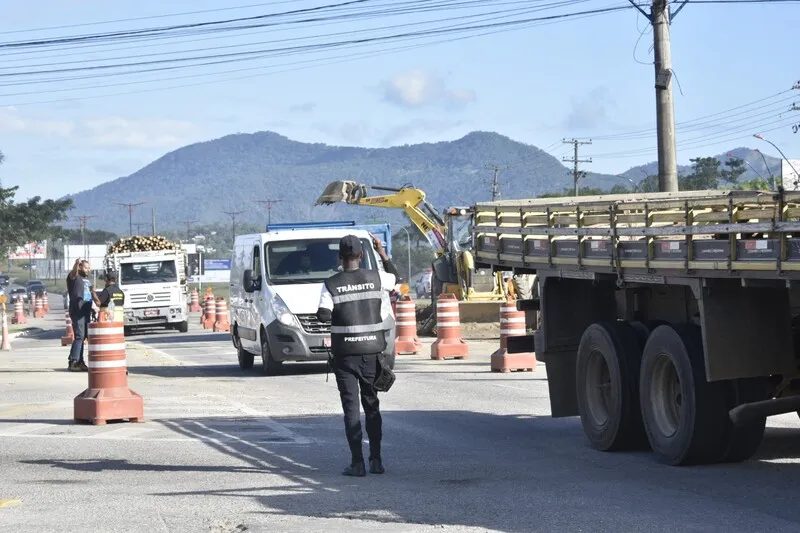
(111, 275)
(349, 246)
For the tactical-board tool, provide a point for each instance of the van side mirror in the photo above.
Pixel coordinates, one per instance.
(248, 282)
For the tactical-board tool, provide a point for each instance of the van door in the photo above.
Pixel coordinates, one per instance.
(253, 301)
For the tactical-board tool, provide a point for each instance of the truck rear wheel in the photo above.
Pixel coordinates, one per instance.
(684, 415)
(608, 386)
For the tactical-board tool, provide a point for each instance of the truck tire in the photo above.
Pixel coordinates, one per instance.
(246, 359)
(684, 415)
(270, 366)
(608, 386)
(744, 440)
(182, 327)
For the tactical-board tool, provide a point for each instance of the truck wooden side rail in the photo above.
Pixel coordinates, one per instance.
(666, 319)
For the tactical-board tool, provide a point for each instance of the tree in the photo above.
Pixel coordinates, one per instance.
(28, 221)
(707, 174)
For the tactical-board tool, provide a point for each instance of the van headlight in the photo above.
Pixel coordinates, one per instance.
(282, 312)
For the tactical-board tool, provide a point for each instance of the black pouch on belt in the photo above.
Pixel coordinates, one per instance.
(384, 378)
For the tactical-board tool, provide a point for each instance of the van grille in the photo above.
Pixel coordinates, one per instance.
(311, 324)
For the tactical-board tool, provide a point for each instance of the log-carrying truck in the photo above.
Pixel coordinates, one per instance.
(666, 320)
(152, 273)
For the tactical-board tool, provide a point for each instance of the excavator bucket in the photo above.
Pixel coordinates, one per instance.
(479, 312)
(338, 191)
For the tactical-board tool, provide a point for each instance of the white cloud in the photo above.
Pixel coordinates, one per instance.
(591, 111)
(417, 88)
(138, 133)
(108, 131)
(11, 121)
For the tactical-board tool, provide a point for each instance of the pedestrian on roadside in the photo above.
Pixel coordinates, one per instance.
(80, 289)
(355, 302)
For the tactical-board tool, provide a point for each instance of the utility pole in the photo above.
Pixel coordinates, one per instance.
(139, 226)
(188, 228)
(153, 214)
(575, 160)
(130, 208)
(660, 18)
(495, 180)
(233, 214)
(270, 204)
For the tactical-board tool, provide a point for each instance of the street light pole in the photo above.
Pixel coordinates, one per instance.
(748, 164)
(408, 252)
(771, 176)
(759, 136)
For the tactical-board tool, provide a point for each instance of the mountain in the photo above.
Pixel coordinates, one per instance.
(756, 164)
(202, 181)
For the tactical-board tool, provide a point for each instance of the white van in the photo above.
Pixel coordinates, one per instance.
(276, 280)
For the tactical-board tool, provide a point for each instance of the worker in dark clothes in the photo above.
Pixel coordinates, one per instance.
(353, 300)
(111, 293)
(80, 311)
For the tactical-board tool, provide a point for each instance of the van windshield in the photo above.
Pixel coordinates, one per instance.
(148, 272)
(307, 260)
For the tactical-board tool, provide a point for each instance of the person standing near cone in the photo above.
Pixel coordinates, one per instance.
(79, 288)
(111, 294)
(354, 302)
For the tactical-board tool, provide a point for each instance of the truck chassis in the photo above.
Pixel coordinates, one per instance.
(666, 320)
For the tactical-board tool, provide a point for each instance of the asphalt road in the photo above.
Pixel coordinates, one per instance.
(224, 449)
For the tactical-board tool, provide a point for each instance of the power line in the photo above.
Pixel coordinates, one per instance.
(575, 160)
(324, 61)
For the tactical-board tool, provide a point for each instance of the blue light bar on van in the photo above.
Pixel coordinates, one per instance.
(311, 225)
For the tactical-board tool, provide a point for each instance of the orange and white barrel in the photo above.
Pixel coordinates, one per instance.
(69, 333)
(406, 339)
(210, 315)
(512, 324)
(194, 302)
(38, 309)
(108, 396)
(449, 344)
(222, 322)
(19, 313)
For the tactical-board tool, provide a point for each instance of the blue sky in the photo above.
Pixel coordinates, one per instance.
(573, 78)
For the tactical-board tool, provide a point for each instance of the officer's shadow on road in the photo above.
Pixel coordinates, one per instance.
(226, 371)
(511, 473)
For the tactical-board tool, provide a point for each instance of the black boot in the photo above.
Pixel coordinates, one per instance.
(356, 469)
(376, 465)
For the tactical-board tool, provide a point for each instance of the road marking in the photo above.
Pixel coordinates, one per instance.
(200, 418)
(7, 503)
(126, 432)
(21, 429)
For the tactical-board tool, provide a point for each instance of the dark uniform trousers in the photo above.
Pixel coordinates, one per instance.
(354, 373)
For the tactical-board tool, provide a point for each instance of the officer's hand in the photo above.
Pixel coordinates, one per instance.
(377, 244)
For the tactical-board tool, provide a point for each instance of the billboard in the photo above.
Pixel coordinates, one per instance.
(789, 174)
(210, 271)
(31, 250)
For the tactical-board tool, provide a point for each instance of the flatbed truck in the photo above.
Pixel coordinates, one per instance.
(666, 321)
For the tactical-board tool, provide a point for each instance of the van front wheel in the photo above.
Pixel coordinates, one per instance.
(271, 366)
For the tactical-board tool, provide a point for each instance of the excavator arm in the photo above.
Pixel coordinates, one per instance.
(409, 199)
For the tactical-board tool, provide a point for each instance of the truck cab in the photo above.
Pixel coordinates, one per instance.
(154, 284)
(276, 282)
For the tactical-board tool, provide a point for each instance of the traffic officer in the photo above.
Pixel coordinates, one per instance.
(111, 293)
(352, 300)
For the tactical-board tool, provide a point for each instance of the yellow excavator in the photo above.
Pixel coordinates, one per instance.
(450, 237)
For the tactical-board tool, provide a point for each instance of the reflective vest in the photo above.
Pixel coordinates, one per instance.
(118, 297)
(356, 325)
